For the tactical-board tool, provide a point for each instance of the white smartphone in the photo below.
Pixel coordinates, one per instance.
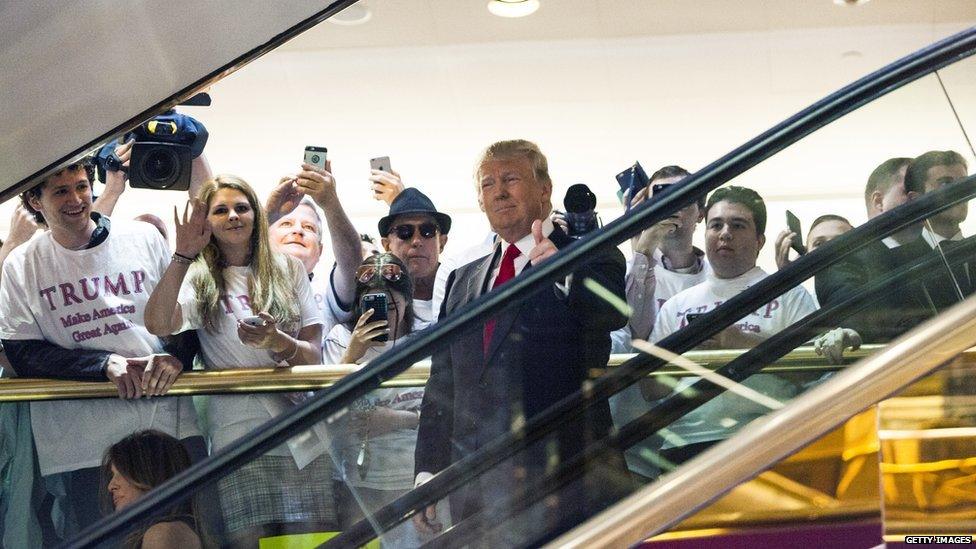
(316, 156)
(255, 321)
(382, 163)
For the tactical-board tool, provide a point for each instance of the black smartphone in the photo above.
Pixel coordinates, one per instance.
(316, 156)
(793, 224)
(691, 317)
(633, 178)
(377, 302)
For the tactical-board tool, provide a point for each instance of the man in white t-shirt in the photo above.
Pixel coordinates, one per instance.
(664, 263)
(416, 232)
(296, 229)
(71, 307)
(735, 222)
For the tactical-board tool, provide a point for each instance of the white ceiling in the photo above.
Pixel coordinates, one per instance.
(443, 22)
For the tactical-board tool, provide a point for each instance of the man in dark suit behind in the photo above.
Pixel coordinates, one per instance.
(921, 297)
(500, 373)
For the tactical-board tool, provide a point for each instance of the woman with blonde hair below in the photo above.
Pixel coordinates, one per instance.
(252, 308)
(137, 464)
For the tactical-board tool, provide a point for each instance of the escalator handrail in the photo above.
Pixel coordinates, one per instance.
(762, 443)
(279, 429)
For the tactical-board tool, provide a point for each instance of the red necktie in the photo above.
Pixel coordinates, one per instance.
(505, 273)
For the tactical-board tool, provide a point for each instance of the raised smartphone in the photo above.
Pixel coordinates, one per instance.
(316, 156)
(377, 302)
(381, 163)
(793, 224)
(633, 178)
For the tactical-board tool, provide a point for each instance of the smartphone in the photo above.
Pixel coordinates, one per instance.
(316, 156)
(633, 178)
(691, 317)
(793, 224)
(377, 302)
(382, 163)
(254, 321)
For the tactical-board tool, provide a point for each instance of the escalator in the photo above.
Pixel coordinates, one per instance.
(748, 428)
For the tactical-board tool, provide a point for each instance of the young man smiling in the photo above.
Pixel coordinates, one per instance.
(71, 307)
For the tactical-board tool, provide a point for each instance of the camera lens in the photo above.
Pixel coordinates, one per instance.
(160, 166)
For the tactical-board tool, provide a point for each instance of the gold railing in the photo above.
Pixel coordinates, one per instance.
(307, 378)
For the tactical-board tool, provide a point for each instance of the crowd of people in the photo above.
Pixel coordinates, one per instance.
(88, 296)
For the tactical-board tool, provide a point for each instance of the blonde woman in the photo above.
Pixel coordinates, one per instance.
(252, 307)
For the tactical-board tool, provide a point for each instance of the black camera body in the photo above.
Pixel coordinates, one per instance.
(160, 165)
(580, 204)
(162, 154)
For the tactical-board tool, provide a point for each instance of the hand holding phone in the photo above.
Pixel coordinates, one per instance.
(316, 156)
(793, 224)
(255, 321)
(378, 303)
(633, 179)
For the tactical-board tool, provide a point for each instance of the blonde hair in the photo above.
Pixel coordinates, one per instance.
(269, 284)
(516, 148)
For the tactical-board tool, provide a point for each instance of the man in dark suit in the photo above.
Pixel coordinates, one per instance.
(502, 372)
(922, 297)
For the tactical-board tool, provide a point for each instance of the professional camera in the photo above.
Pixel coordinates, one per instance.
(162, 154)
(580, 204)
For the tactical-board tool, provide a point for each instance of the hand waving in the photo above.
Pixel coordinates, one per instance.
(193, 234)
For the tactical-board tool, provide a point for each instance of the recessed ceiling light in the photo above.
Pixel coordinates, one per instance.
(513, 8)
(356, 14)
(850, 2)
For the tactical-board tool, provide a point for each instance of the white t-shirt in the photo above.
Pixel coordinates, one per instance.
(727, 412)
(90, 299)
(233, 416)
(391, 465)
(323, 291)
(666, 284)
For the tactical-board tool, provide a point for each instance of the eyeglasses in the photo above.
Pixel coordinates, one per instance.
(405, 232)
(391, 272)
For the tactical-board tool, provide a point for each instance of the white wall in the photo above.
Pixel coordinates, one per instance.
(594, 106)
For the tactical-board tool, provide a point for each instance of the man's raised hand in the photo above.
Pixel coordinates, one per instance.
(544, 248)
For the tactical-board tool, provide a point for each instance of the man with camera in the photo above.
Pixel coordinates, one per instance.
(522, 361)
(71, 304)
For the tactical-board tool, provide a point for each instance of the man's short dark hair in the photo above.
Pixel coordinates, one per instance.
(744, 196)
(883, 177)
(918, 169)
(668, 172)
(825, 218)
(35, 192)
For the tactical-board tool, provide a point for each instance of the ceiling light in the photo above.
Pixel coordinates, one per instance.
(356, 14)
(513, 8)
(851, 2)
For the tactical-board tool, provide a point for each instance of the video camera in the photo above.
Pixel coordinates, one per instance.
(580, 204)
(162, 154)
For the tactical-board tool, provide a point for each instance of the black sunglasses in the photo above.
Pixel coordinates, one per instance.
(405, 232)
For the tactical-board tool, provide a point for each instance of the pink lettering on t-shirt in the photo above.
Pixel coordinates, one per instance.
(119, 286)
(770, 307)
(138, 277)
(68, 293)
(46, 292)
(90, 295)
